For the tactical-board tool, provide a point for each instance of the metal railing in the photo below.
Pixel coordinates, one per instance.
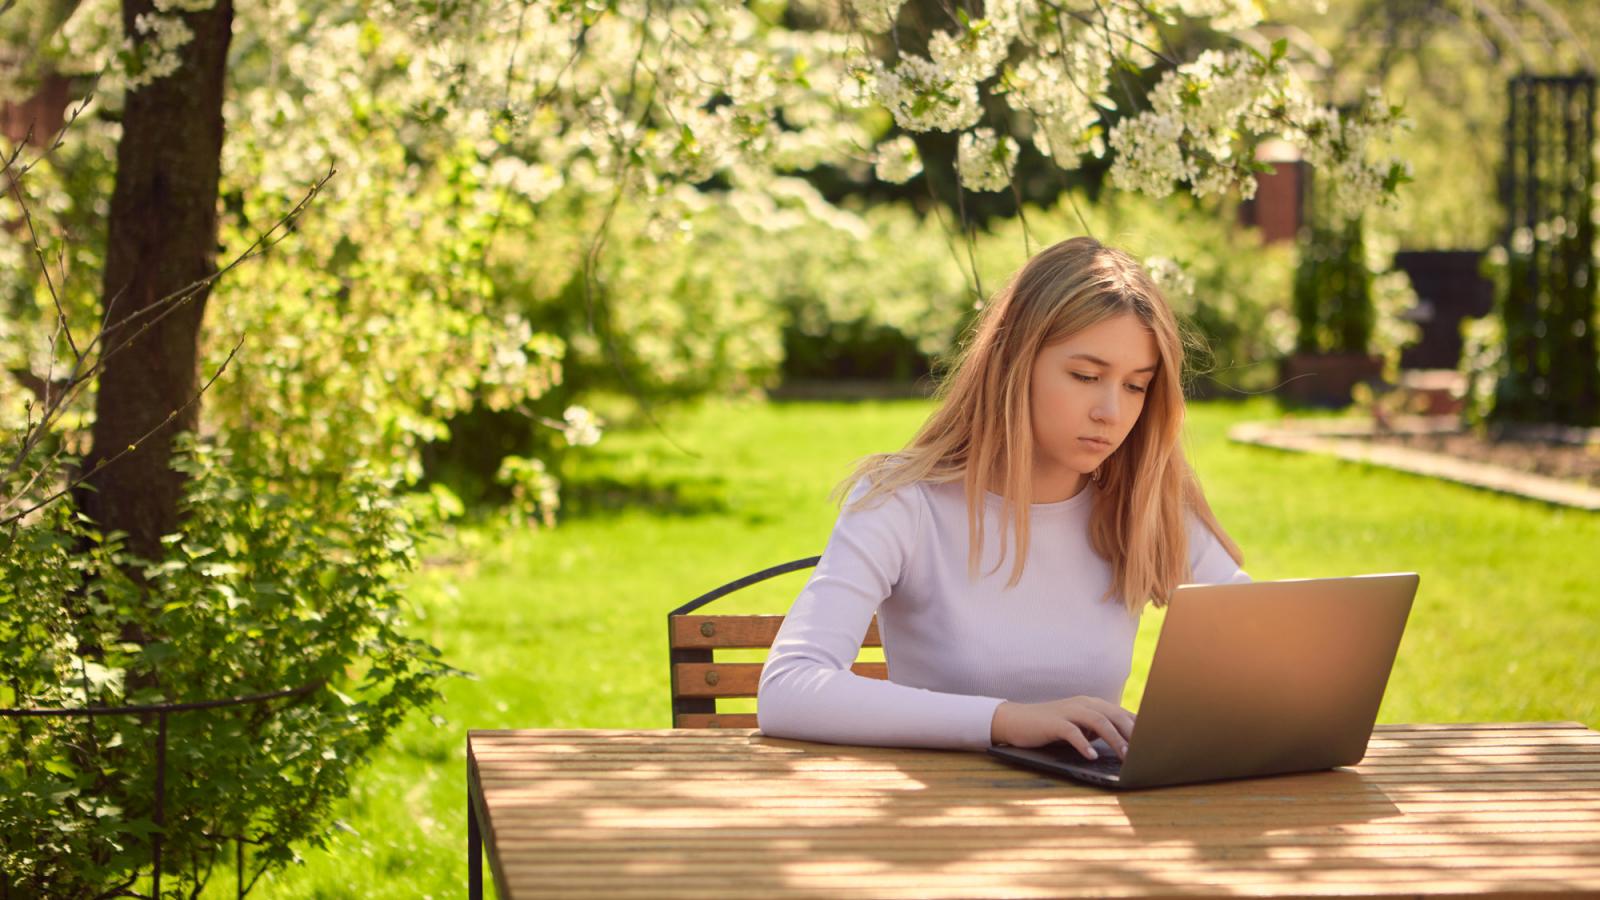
(162, 711)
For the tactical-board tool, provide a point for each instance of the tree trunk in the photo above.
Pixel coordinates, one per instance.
(162, 239)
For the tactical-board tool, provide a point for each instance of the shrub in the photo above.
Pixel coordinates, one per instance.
(275, 582)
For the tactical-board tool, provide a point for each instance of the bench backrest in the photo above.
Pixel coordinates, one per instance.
(699, 679)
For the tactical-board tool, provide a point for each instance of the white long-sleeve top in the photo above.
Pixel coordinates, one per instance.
(956, 647)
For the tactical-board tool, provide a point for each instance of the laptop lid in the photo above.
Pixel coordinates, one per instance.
(1255, 679)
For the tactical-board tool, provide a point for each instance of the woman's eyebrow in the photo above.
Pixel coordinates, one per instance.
(1090, 357)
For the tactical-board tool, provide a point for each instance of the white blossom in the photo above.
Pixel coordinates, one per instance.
(1225, 15)
(983, 162)
(897, 160)
(157, 50)
(922, 96)
(972, 55)
(534, 182)
(1063, 93)
(1170, 276)
(582, 429)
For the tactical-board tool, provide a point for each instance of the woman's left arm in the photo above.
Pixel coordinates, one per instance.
(1209, 562)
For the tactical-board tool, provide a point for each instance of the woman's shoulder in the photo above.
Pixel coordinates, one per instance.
(889, 482)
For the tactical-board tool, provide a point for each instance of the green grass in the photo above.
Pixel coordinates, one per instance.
(565, 628)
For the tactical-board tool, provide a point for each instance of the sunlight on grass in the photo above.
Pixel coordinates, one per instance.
(567, 628)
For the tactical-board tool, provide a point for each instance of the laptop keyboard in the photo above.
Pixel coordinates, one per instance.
(1108, 762)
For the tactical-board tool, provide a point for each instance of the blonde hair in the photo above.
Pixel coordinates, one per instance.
(983, 426)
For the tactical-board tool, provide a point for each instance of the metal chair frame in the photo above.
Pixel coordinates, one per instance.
(681, 705)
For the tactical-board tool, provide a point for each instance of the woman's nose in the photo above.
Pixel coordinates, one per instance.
(1105, 408)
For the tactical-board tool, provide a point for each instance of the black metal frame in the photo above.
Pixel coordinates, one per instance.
(475, 824)
(1548, 308)
(681, 705)
(162, 711)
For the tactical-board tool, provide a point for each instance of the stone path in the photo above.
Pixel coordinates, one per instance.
(1341, 438)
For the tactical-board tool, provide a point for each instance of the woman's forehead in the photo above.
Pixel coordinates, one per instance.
(1119, 342)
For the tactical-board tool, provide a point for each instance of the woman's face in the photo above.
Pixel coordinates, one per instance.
(1087, 393)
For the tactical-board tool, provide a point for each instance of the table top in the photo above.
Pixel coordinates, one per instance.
(1440, 810)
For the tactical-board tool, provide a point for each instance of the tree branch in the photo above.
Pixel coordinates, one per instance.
(16, 517)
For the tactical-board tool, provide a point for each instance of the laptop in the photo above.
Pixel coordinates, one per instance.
(1256, 679)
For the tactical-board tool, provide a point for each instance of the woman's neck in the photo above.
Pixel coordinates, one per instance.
(1051, 486)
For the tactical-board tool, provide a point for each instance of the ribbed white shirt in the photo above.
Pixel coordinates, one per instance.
(956, 647)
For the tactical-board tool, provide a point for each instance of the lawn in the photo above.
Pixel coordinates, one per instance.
(565, 628)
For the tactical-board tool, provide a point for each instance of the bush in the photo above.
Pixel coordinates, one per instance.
(1333, 291)
(275, 582)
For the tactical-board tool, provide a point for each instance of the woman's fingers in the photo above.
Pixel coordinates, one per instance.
(1120, 718)
(1075, 736)
(1106, 728)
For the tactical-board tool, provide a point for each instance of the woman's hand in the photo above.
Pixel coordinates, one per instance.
(1076, 720)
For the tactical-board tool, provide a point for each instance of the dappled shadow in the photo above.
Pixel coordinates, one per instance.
(722, 813)
(600, 496)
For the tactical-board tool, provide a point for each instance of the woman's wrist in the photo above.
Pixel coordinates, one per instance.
(996, 726)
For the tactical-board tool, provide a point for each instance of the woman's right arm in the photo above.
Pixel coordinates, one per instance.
(807, 690)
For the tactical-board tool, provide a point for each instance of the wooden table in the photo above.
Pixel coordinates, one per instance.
(1442, 810)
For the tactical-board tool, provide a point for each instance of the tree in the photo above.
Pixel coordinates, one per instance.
(160, 259)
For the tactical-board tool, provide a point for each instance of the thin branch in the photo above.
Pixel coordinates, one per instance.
(59, 139)
(578, 43)
(44, 266)
(56, 405)
(263, 242)
(1022, 216)
(1155, 26)
(511, 58)
(16, 517)
(968, 231)
(1116, 70)
(591, 263)
(947, 228)
(1104, 24)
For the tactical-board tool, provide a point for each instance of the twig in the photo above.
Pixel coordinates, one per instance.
(263, 242)
(16, 517)
(56, 405)
(59, 139)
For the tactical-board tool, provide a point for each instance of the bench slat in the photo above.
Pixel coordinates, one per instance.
(715, 720)
(738, 679)
(738, 632)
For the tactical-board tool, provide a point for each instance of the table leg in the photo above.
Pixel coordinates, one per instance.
(474, 852)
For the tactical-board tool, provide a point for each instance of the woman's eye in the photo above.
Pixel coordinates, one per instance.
(1136, 388)
(1086, 379)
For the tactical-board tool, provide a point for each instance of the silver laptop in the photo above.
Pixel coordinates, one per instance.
(1253, 679)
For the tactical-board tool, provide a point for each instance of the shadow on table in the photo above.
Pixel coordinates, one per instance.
(712, 817)
(1341, 827)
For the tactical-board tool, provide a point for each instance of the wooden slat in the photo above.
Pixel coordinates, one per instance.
(524, 833)
(632, 736)
(672, 889)
(739, 632)
(716, 720)
(866, 876)
(738, 679)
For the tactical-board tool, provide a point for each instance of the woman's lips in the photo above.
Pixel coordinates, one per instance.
(1096, 442)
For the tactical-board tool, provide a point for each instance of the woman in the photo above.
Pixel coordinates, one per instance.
(1055, 449)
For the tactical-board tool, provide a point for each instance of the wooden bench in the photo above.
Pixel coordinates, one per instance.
(699, 679)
